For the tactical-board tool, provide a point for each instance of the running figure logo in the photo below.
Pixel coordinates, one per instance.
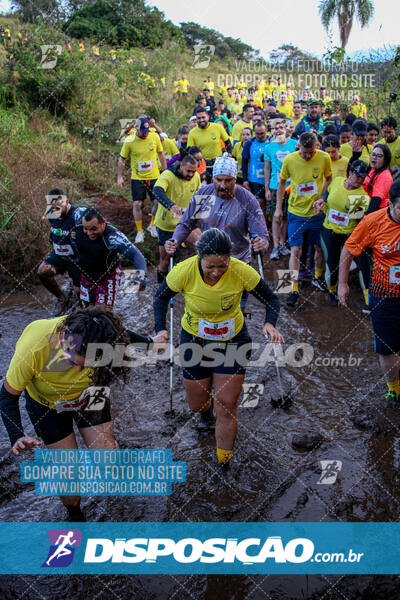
(285, 279)
(62, 547)
(330, 471)
(252, 393)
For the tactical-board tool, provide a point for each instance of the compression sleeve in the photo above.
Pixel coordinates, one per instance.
(266, 296)
(136, 338)
(162, 197)
(245, 168)
(9, 409)
(119, 242)
(160, 305)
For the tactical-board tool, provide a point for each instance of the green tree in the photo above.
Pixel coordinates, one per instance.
(129, 22)
(48, 11)
(345, 11)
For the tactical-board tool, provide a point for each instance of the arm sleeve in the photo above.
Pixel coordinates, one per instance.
(160, 305)
(10, 415)
(228, 146)
(119, 242)
(264, 294)
(245, 168)
(162, 197)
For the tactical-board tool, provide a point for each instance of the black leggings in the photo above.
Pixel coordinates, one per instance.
(332, 247)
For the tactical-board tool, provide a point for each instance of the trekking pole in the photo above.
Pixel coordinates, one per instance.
(171, 337)
(279, 381)
(258, 254)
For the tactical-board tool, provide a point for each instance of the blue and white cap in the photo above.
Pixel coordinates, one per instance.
(225, 165)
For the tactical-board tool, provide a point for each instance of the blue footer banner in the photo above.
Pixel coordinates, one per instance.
(204, 548)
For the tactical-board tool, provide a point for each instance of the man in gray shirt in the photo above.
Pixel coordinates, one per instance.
(227, 206)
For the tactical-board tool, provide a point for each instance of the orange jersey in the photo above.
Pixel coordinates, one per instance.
(381, 233)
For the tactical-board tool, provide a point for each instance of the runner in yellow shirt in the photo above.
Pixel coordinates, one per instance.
(284, 106)
(344, 204)
(245, 135)
(357, 108)
(209, 84)
(173, 191)
(298, 113)
(50, 365)
(223, 90)
(391, 139)
(310, 173)
(331, 145)
(208, 136)
(81, 46)
(183, 86)
(358, 142)
(143, 148)
(245, 121)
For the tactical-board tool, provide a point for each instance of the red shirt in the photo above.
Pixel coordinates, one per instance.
(380, 186)
(381, 233)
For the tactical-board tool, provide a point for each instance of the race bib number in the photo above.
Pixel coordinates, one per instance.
(145, 166)
(93, 398)
(338, 218)
(224, 330)
(394, 275)
(65, 250)
(305, 189)
(84, 293)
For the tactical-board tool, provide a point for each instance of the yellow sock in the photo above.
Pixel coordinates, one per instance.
(365, 292)
(224, 455)
(318, 272)
(295, 287)
(332, 289)
(139, 226)
(153, 218)
(394, 386)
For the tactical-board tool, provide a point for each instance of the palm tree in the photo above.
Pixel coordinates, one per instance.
(345, 10)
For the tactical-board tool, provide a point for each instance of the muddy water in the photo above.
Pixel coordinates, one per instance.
(270, 480)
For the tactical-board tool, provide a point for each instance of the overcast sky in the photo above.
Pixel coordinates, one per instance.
(266, 24)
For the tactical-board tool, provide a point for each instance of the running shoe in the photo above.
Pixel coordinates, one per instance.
(292, 299)
(139, 239)
(391, 397)
(320, 283)
(283, 251)
(275, 253)
(152, 230)
(333, 299)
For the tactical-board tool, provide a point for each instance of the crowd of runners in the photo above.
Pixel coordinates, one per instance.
(302, 182)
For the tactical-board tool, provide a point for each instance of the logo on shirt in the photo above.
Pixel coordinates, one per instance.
(62, 547)
(315, 172)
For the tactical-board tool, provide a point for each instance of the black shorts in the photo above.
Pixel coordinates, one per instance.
(63, 264)
(141, 187)
(226, 350)
(385, 317)
(52, 426)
